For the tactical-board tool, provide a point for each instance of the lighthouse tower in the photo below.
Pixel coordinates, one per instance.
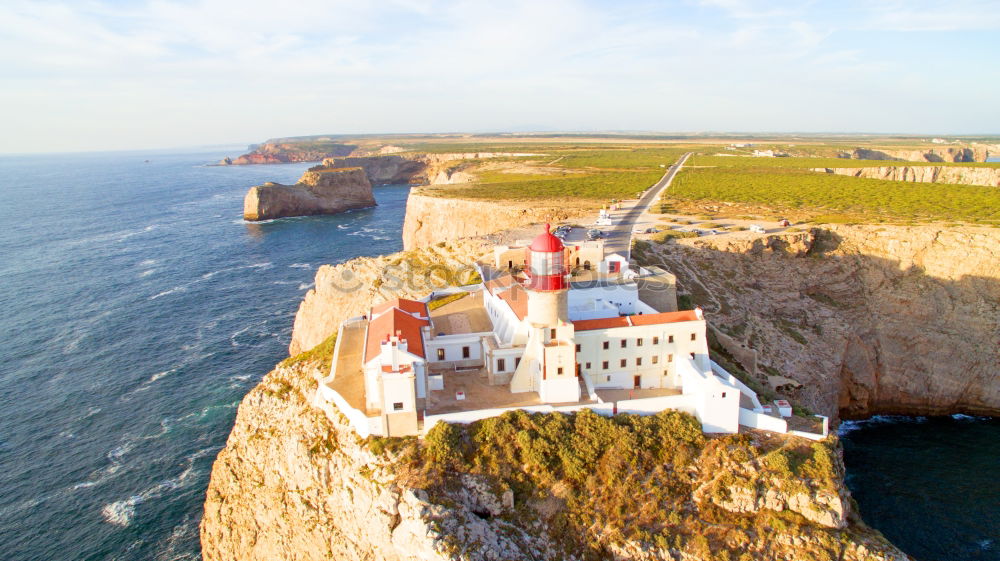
(547, 284)
(548, 365)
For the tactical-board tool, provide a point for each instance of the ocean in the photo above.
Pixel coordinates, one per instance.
(138, 310)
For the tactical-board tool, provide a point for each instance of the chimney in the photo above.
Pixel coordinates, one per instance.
(699, 313)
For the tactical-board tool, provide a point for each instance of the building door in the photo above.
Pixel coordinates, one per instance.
(578, 370)
(637, 381)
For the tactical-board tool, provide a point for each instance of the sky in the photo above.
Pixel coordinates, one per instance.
(115, 74)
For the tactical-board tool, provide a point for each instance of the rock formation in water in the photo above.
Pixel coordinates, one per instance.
(961, 175)
(856, 320)
(278, 152)
(431, 219)
(318, 191)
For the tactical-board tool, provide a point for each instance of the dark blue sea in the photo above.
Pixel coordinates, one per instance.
(138, 309)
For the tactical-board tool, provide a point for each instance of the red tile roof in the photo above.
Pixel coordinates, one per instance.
(389, 324)
(409, 306)
(500, 283)
(628, 321)
(517, 299)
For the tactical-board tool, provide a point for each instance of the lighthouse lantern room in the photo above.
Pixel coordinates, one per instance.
(546, 263)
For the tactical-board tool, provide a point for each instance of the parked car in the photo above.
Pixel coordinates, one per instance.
(784, 223)
(651, 230)
(594, 234)
(757, 228)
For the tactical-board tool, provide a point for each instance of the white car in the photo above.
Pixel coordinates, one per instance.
(757, 228)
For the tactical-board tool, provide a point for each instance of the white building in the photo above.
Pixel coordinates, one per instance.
(547, 339)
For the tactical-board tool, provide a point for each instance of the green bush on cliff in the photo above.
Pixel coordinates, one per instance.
(321, 354)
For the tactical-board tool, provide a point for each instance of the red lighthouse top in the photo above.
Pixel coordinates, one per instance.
(546, 242)
(546, 269)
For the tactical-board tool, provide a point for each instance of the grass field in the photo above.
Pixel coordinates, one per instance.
(593, 174)
(784, 189)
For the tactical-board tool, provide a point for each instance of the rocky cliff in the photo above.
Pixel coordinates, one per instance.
(432, 219)
(925, 174)
(318, 191)
(419, 168)
(972, 153)
(856, 320)
(287, 152)
(295, 483)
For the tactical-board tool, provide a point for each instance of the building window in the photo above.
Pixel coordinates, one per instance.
(638, 361)
(604, 365)
(607, 378)
(465, 352)
(623, 362)
(517, 362)
(656, 359)
(501, 365)
(691, 355)
(605, 345)
(398, 406)
(559, 371)
(723, 395)
(587, 366)
(578, 347)
(656, 340)
(440, 354)
(638, 342)
(624, 343)
(670, 338)
(670, 358)
(552, 334)
(694, 336)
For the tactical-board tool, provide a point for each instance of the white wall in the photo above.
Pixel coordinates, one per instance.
(757, 420)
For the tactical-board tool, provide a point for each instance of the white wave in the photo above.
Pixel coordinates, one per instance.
(121, 513)
(962, 417)
(285, 282)
(148, 262)
(146, 273)
(181, 288)
(300, 266)
(305, 286)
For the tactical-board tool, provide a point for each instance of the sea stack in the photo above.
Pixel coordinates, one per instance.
(320, 190)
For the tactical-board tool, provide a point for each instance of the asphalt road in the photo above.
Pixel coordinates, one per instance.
(619, 236)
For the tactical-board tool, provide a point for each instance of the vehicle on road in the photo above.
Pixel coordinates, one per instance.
(651, 230)
(594, 234)
(757, 228)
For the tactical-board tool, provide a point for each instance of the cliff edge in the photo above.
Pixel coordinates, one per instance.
(318, 191)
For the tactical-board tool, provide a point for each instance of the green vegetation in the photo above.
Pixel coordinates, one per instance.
(594, 482)
(320, 354)
(668, 235)
(599, 186)
(782, 189)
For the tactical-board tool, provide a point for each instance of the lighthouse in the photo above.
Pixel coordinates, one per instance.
(548, 365)
(547, 280)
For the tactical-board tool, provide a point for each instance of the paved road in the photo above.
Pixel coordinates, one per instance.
(619, 239)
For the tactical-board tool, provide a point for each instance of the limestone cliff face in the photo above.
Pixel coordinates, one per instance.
(432, 219)
(868, 319)
(417, 168)
(317, 192)
(384, 170)
(349, 289)
(973, 153)
(925, 174)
